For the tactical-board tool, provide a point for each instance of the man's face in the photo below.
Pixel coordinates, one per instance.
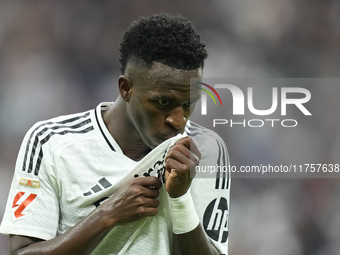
(161, 101)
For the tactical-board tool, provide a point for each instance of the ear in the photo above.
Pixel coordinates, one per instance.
(125, 86)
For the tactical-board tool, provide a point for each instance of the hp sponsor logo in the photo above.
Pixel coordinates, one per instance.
(215, 220)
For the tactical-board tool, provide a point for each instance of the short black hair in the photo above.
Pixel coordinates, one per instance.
(170, 40)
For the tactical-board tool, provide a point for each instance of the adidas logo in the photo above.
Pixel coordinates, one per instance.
(102, 184)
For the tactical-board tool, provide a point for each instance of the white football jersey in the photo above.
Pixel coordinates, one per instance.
(69, 165)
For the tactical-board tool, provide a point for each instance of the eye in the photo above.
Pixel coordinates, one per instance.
(190, 104)
(163, 102)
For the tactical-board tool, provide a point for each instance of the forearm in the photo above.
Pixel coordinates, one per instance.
(193, 242)
(188, 234)
(80, 239)
(134, 196)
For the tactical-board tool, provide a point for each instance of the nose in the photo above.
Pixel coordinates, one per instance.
(176, 118)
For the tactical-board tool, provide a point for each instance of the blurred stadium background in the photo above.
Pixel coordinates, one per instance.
(60, 57)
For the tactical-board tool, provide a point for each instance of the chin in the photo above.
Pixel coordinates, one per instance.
(153, 143)
(158, 141)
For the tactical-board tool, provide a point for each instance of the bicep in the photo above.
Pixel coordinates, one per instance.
(18, 242)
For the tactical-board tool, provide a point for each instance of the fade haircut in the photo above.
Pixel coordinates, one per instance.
(170, 40)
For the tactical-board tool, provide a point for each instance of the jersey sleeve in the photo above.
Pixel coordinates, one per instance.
(32, 206)
(210, 190)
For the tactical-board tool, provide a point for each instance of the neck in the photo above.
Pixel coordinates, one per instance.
(123, 131)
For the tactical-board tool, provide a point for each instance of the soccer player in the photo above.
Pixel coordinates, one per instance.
(120, 179)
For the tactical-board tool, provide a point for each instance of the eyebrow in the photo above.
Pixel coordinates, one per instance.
(197, 98)
(162, 97)
(158, 97)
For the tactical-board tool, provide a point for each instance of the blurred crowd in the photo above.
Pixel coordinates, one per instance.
(61, 57)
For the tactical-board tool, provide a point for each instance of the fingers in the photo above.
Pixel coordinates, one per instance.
(172, 164)
(135, 199)
(186, 147)
(149, 181)
(146, 212)
(180, 153)
(183, 155)
(150, 202)
(189, 143)
(147, 192)
(146, 202)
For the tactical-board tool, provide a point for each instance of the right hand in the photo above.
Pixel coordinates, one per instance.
(134, 200)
